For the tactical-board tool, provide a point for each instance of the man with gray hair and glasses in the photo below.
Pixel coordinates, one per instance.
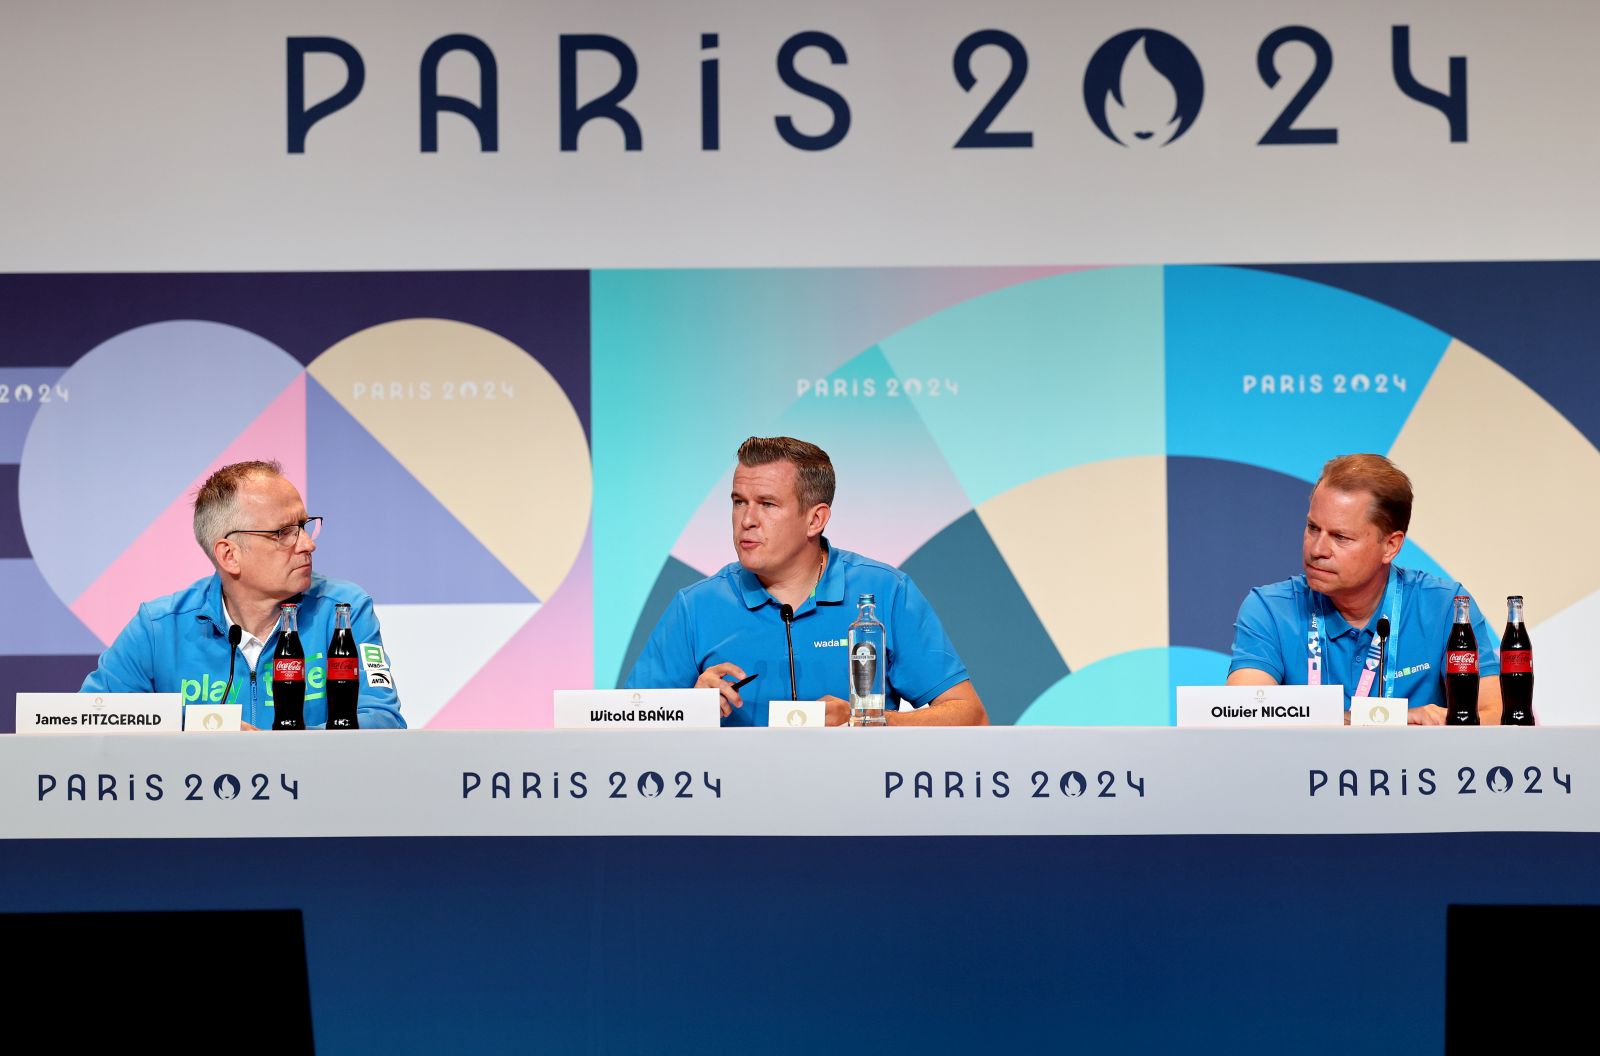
(252, 523)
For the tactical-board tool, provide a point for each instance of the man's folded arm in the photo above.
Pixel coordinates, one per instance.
(957, 706)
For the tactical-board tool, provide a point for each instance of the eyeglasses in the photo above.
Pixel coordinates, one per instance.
(286, 536)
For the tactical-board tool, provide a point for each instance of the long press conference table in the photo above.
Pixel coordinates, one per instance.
(998, 781)
(781, 890)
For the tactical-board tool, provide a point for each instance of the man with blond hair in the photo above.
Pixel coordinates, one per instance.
(732, 625)
(1319, 626)
(252, 524)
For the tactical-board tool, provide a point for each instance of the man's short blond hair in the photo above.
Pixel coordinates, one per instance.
(216, 503)
(1389, 487)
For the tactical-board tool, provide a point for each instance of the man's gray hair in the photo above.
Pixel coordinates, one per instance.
(216, 503)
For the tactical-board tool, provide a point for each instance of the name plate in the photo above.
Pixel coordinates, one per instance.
(635, 709)
(1261, 706)
(212, 718)
(1379, 711)
(797, 714)
(99, 713)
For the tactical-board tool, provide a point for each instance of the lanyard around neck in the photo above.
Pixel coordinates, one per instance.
(1390, 610)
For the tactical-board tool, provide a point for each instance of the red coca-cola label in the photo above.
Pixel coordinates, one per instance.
(1516, 662)
(341, 668)
(1461, 662)
(288, 669)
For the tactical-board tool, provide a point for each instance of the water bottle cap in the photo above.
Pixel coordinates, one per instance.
(867, 599)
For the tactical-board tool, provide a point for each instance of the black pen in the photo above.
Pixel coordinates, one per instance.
(746, 680)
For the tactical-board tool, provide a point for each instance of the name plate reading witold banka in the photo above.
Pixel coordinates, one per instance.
(99, 713)
(637, 709)
(1260, 706)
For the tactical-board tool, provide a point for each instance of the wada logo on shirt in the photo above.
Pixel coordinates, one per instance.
(826, 643)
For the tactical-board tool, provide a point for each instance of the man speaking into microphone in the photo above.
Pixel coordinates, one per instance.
(778, 619)
(252, 524)
(1353, 617)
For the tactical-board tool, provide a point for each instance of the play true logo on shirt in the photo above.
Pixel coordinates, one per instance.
(208, 686)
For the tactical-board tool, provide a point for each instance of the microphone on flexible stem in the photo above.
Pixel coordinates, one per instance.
(235, 632)
(787, 612)
(1383, 649)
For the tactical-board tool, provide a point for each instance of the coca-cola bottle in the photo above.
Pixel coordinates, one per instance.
(344, 688)
(1516, 668)
(288, 674)
(1461, 668)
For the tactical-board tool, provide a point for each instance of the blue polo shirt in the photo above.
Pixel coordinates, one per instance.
(730, 617)
(1274, 621)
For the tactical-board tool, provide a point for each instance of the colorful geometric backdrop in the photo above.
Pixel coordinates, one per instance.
(1084, 469)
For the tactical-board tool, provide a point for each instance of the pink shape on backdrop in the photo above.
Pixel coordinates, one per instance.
(164, 557)
(554, 650)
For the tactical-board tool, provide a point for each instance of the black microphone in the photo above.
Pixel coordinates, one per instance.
(235, 632)
(1383, 649)
(787, 612)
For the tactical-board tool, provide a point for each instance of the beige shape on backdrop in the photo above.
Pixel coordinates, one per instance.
(1088, 546)
(483, 426)
(1507, 490)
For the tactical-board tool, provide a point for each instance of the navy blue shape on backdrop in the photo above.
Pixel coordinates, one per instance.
(12, 542)
(1537, 319)
(987, 617)
(38, 674)
(1230, 527)
(57, 318)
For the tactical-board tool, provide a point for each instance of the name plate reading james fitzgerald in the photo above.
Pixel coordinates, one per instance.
(1260, 705)
(99, 713)
(637, 709)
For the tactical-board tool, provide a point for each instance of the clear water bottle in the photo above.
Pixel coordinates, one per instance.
(868, 657)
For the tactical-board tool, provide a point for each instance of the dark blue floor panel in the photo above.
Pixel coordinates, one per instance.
(1125, 945)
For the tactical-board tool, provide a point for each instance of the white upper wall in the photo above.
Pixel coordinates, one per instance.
(152, 136)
